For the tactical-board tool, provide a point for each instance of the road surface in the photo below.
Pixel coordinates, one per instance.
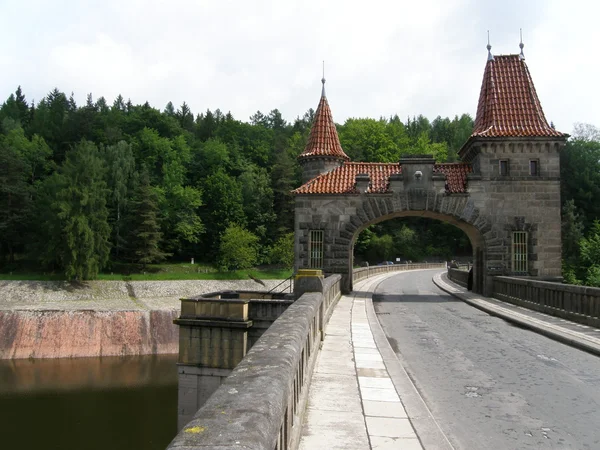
(489, 384)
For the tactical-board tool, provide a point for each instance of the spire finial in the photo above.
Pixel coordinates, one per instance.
(489, 48)
(521, 45)
(323, 81)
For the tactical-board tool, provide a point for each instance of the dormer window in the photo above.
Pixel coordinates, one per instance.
(504, 167)
(534, 167)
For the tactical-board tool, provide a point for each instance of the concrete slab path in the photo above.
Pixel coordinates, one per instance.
(354, 403)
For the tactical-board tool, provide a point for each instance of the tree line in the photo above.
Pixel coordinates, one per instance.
(86, 188)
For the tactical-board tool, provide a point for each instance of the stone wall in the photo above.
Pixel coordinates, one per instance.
(459, 276)
(492, 208)
(41, 319)
(261, 403)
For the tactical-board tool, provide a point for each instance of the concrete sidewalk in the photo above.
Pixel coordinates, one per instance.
(356, 394)
(362, 398)
(574, 334)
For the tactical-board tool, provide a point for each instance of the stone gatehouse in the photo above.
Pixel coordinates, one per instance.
(504, 194)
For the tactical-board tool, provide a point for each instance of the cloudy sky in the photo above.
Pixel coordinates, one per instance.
(382, 57)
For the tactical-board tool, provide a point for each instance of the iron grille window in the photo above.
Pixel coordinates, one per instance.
(316, 249)
(504, 167)
(519, 251)
(533, 167)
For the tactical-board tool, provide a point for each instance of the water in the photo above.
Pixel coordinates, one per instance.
(89, 403)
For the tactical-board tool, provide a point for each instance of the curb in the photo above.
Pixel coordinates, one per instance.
(567, 337)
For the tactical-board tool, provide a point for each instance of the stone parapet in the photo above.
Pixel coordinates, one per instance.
(262, 402)
(575, 303)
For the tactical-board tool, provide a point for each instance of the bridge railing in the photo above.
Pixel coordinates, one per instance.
(576, 303)
(365, 272)
(459, 276)
(260, 405)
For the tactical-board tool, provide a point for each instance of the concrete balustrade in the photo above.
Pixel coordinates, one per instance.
(261, 403)
(575, 303)
(459, 276)
(365, 272)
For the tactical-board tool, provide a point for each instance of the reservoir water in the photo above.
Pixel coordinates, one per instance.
(89, 403)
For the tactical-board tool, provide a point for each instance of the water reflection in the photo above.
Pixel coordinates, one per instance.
(89, 403)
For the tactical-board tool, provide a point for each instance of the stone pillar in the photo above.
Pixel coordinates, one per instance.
(213, 337)
(308, 280)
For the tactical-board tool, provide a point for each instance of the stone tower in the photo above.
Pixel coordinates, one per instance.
(323, 152)
(504, 194)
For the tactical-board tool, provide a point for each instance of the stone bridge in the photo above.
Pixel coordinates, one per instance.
(261, 404)
(504, 193)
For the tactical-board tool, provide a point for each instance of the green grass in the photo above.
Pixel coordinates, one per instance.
(157, 272)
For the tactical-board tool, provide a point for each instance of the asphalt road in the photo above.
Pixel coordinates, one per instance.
(489, 384)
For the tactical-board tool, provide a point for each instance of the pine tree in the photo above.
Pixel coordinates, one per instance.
(14, 200)
(144, 228)
(75, 234)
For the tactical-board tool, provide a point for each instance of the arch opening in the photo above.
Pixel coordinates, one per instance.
(474, 249)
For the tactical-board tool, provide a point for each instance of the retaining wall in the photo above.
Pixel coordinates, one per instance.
(54, 319)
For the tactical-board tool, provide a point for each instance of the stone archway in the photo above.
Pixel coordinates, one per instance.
(339, 220)
(504, 193)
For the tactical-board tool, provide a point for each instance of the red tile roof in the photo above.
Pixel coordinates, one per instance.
(456, 175)
(323, 139)
(342, 179)
(508, 104)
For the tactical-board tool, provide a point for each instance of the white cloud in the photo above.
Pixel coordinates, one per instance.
(383, 57)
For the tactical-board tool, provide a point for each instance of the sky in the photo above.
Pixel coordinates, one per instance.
(382, 57)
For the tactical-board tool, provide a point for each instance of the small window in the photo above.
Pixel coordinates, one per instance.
(503, 167)
(316, 249)
(533, 167)
(519, 251)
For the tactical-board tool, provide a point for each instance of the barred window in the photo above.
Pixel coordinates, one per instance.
(519, 251)
(503, 167)
(316, 249)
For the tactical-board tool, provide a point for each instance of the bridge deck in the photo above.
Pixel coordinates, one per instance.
(353, 403)
(359, 389)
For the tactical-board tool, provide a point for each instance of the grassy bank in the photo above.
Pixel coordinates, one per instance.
(157, 272)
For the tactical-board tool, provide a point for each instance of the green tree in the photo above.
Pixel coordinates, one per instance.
(144, 235)
(77, 218)
(223, 202)
(572, 232)
(238, 248)
(589, 247)
(257, 197)
(35, 152)
(120, 163)
(580, 176)
(14, 200)
(282, 251)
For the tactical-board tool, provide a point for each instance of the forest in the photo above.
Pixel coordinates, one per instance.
(100, 187)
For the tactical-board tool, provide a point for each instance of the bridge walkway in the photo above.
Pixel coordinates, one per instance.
(360, 394)
(354, 401)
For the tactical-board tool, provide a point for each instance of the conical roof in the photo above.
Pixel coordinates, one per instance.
(323, 140)
(508, 103)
